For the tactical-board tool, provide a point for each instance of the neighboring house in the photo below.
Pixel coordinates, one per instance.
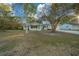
(74, 25)
(34, 27)
(45, 25)
(65, 27)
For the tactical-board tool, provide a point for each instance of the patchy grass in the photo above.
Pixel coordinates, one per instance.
(38, 43)
(6, 47)
(55, 44)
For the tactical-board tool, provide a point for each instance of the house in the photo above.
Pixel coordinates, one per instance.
(73, 25)
(35, 26)
(65, 27)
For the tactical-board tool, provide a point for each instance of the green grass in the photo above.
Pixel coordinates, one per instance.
(61, 41)
(7, 47)
(64, 38)
(38, 43)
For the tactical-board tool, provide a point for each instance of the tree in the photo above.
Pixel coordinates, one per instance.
(76, 7)
(29, 9)
(8, 22)
(13, 24)
(59, 13)
(4, 10)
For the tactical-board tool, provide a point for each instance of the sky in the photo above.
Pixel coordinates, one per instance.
(42, 9)
(18, 9)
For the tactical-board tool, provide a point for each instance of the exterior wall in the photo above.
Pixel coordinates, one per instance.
(38, 28)
(75, 27)
(68, 27)
(45, 25)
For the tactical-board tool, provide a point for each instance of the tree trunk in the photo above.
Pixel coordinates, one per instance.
(54, 28)
(54, 25)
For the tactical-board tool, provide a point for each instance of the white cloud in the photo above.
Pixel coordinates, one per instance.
(43, 9)
(40, 7)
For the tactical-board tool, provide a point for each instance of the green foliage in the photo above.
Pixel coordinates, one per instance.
(66, 19)
(5, 7)
(76, 7)
(30, 19)
(6, 21)
(10, 23)
(29, 8)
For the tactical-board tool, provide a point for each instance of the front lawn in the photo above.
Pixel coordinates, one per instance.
(38, 43)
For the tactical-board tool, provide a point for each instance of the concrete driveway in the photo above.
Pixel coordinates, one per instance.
(69, 31)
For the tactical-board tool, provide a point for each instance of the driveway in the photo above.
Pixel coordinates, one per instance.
(69, 31)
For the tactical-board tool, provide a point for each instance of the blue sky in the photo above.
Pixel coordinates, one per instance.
(18, 9)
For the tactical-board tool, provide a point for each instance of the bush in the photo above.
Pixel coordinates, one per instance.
(10, 25)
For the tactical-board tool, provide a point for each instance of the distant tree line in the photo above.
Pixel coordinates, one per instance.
(9, 23)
